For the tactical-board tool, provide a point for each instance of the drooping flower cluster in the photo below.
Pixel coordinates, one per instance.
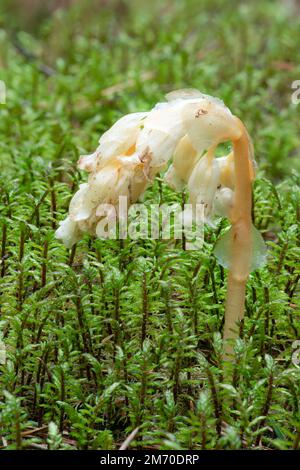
(186, 129)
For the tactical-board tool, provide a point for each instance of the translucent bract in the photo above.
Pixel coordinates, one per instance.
(180, 136)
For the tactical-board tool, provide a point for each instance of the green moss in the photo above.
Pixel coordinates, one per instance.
(72, 322)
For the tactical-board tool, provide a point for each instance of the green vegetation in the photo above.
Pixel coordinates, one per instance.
(113, 336)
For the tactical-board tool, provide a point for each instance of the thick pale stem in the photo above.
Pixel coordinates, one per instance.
(241, 249)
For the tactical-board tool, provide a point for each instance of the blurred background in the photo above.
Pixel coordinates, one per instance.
(78, 65)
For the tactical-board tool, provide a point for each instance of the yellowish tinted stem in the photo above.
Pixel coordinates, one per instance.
(241, 248)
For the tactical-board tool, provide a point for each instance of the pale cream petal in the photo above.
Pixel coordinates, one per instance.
(102, 184)
(139, 145)
(166, 117)
(79, 210)
(173, 179)
(137, 188)
(162, 129)
(223, 202)
(185, 158)
(68, 232)
(226, 165)
(184, 94)
(121, 136)
(208, 122)
(159, 144)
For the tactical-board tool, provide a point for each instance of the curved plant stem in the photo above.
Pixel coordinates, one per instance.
(241, 243)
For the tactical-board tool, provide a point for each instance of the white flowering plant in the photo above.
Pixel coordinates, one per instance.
(182, 132)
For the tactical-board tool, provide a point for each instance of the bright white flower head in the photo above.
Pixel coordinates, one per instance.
(140, 145)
